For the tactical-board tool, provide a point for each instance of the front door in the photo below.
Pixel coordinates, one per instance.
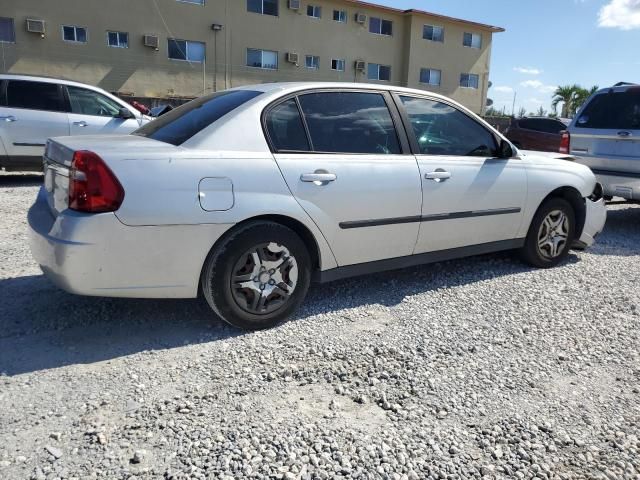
(31, 113)
(342, 159)
(95, 114)
(471, 197)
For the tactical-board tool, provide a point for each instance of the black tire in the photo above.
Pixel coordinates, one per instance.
(545, 257)
(232, 261)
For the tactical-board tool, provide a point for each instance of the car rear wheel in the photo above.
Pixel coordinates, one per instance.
(550, 235)
(257, 276)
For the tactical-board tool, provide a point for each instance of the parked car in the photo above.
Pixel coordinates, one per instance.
(605, 135)
(250, 194)
(536, 133)
(33, 109)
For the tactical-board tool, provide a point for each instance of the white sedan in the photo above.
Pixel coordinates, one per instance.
(250, 194)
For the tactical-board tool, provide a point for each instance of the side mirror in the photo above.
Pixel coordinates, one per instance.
(125, 113)
(505, 150)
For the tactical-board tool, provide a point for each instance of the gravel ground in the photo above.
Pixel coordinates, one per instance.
(479, 368)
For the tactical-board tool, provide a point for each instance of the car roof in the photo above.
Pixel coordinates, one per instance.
(44, 78)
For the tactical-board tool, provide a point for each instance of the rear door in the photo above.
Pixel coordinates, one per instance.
(470, 197)
(606, 133)
(93, 113)
(344, 161)
(31, 112)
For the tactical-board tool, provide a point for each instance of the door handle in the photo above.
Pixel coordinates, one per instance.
(9, 118)
(438, 176)
(81, 124)
(318, 177)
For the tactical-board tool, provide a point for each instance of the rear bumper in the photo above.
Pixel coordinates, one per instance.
(619, 184)
(596, 217)
(97, 255)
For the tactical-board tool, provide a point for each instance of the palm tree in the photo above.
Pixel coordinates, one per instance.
(581, 96)
(565, 95)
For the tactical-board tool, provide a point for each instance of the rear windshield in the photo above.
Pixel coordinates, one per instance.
(179, 125)
(615, 110)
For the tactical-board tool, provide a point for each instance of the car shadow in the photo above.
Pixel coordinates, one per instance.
(42, 327)
(20, 179)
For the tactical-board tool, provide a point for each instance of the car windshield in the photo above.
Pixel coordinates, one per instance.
(614, 110)
(179, 125)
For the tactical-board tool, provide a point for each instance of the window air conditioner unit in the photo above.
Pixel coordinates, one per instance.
(35, 26)
(361, 65)
(361, 18)
(151, 41)
(292, 57)
(294, 4)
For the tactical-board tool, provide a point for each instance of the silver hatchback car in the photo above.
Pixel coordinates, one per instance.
(605, 136)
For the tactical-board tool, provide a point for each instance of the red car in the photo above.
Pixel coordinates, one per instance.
(536, 133)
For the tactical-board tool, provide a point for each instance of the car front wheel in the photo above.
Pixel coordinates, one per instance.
(550, 235)
(257, 276)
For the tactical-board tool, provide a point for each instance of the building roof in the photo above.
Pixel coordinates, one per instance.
(413, 11)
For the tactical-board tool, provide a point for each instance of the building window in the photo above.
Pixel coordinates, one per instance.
(186, 50)
(379, 26)
(312, 61)
(379, 72)
(430, 76)
(263, 7)
(469, 80)
(118, 39)
(473, 40)
(74, 34)
(314, 11)
(7, 30)
(197, 2)
(262, 59)
(337, 64)
(340, 16)
(433, 33)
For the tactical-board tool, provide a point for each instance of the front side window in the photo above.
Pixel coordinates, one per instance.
(118, 39)
(286, 129)
(340, 16)
(186, 50)
(34, 95)
(337, 64)
(349, 122)
(312, 61)
(314, 11)
(441, 129)
(263, 7)
(469, 80)
(430, 76)
(380, 26)
(378, 72)
(88, 102)
(615, 110)
(182, 123)
(262, 59)
(74, 34)
(473, 40)
(7, 30)
(433, 33)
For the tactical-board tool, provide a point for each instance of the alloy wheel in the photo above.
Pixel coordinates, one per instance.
(553, 234)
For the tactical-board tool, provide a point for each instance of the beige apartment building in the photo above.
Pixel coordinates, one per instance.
(184, 48)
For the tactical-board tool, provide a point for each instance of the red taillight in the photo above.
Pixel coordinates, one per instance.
(565, 142)
(93, 187)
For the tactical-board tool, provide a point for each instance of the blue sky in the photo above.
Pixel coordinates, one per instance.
(550, 43)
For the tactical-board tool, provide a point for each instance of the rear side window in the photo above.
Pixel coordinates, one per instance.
(285, 127)
(615, 110)
(34, 95)
(349, 122)
(179, 125)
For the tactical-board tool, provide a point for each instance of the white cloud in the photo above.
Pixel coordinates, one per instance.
(528, 70)
(622, 14)
(539, 86)
(535, 101)
(503, 89)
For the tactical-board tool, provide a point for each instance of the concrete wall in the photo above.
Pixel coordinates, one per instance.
(142, 71)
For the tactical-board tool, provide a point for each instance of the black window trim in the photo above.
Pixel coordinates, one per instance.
(398, 123)
(5, 99)
(413, 141)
